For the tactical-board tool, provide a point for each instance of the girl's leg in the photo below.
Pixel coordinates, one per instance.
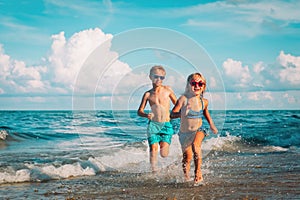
(153, 156)
(186, 162)
(198, 155)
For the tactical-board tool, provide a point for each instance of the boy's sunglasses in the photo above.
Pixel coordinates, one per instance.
(156, 77)
(194, 83)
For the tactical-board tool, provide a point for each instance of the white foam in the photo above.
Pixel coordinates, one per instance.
(274, 149)
(3, 134)
(234, 144)
(130, 159)
(68, 170)
(136, 159)
(22, 175)
(219, 143)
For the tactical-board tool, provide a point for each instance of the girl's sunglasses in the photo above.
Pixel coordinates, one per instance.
(194, 83)
(156, 77)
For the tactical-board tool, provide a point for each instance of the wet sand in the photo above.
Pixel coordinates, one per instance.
(269, 176)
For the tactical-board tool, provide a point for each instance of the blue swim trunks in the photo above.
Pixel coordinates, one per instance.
(159, 132)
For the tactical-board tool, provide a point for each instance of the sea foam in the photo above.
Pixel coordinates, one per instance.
(3, 134)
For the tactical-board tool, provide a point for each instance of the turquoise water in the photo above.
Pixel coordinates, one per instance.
(39, 146)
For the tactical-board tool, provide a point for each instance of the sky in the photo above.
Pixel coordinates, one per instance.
(92, 54)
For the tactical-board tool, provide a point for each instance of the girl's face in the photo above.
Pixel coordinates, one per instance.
(157, 77)
(197, 85)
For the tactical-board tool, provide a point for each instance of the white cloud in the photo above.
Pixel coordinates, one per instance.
(212, 82)
(263, 100)
(16, 77)
(258, 67)
(62, 66)
(291, 68)
(68, 56)
(291, 99)
(259, 96)
(239, 96)
(253, 96)
(248, 18)
(261, 76)
(238, 74)
(268, 95)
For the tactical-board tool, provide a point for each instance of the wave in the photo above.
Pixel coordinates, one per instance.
(237, 144)
(129, 158)
(3, 134)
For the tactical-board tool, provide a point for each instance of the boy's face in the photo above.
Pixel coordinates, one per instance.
(157, 77)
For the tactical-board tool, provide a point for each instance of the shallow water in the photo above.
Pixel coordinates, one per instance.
(104, 154)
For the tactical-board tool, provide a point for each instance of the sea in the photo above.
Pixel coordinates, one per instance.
(105, 155)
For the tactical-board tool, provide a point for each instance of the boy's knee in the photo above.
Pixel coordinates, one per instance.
(154, 147)
(164, 149)
(164, 153)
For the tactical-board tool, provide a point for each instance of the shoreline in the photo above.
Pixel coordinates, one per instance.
(255, 180)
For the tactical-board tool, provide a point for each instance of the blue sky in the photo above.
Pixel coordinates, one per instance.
(250, 52)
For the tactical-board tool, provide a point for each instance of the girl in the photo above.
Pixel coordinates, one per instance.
(190, 107)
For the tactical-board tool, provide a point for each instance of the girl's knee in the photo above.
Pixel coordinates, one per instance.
(187, 158)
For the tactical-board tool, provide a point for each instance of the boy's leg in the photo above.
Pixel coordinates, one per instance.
(164, 149)
(153, 156)
(198, 155)
(165, 141)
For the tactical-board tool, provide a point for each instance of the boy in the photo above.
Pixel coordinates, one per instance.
(159, 129)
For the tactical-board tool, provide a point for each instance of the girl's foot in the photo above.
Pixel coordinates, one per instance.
(198, 182)
(187, 178)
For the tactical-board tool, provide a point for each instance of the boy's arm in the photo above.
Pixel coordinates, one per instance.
(172, 96)
(142, 106)
(208, 118)
(175, 113)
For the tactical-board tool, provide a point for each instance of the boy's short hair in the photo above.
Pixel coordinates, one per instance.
(157, 67)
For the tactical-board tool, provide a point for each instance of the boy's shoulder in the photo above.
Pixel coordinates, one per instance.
(168, 88)
(148, 91)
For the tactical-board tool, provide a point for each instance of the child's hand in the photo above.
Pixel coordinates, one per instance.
(150, 116)
(214, 129)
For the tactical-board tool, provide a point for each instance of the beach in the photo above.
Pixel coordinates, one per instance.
(62, 155)
(246, 177)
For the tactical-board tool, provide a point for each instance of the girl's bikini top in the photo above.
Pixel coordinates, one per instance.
(195, 114)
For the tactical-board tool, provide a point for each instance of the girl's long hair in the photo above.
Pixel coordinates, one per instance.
(190, 78)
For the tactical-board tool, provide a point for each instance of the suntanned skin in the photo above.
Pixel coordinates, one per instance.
(159, 100)
(191, 101)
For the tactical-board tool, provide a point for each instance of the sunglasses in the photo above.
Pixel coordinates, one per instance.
(194, 83)
(157, 76)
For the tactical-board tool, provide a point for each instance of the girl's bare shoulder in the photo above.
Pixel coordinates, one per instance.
(205, 101)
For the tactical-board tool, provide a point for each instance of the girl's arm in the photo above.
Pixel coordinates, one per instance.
(208, 117)
(175, 113)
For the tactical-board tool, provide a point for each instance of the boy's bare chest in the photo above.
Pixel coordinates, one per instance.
(158, 98)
